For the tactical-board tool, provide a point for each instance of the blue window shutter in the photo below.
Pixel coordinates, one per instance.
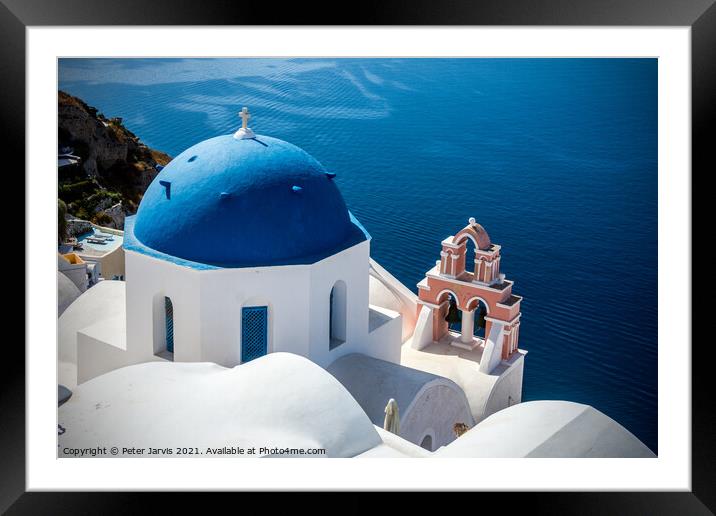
(254, 332)
(169, 320)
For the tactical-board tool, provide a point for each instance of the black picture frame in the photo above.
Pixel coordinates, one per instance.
(700, 15)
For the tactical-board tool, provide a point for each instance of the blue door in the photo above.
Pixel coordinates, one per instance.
(254, 329)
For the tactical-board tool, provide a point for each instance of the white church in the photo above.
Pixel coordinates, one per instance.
(242, 258)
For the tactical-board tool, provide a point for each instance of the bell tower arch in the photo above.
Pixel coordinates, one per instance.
(473, 286)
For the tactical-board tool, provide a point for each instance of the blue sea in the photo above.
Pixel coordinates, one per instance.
(556, 158)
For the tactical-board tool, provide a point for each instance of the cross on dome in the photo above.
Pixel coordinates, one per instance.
(245, 131)
(245, 115)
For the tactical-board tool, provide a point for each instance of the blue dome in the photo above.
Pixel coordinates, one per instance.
(233, 202)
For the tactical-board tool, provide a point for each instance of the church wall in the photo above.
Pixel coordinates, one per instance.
(284, 290)
(96, 356)
(149, 279)
(207, 308)
(384, 340)
(386, 291)
(423, 335)
(350, 266)
(507, 390)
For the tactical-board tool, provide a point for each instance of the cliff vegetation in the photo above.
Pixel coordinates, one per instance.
(114, 169)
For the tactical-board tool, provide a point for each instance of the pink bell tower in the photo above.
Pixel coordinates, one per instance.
(470, 285)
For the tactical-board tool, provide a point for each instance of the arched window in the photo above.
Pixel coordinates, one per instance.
(470, 256)
(453, 315)
(479, 322)
(480, 311)
(427, 443)
(337, 315)
(163, 326)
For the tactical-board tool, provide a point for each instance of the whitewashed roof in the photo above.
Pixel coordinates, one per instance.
(276, 401)
(547, 429)
(67, 292)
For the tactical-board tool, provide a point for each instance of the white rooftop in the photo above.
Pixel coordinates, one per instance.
(547, 429)
(374, 382)
(67, 292)
(461, 366)
(276, 401)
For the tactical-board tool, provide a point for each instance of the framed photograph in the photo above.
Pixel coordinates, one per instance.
(436, 249)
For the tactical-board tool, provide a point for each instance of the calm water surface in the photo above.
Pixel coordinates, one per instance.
(557, 158)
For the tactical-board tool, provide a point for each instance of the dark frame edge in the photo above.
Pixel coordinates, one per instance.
(12, 398)
(703, 107)
(12, 392)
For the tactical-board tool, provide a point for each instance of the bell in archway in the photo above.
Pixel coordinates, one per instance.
(480, 319)
(453, 315)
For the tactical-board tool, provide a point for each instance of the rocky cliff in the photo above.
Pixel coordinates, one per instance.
(115, 166)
